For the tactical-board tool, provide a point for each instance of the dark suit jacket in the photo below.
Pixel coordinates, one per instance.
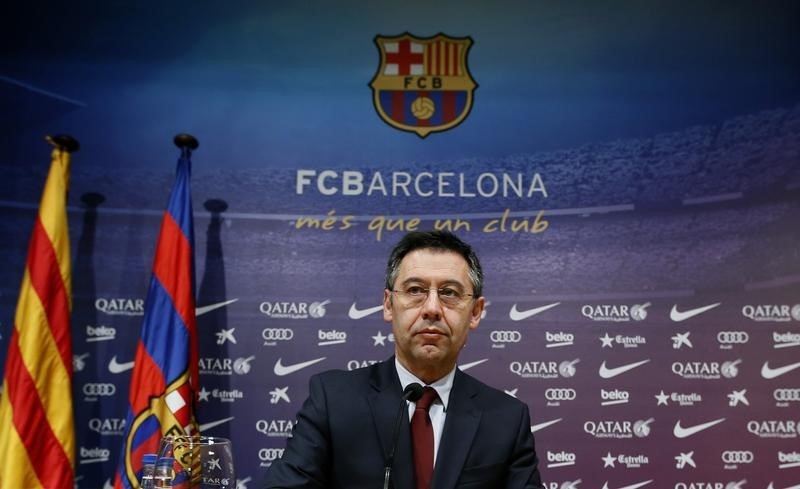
(344, 434)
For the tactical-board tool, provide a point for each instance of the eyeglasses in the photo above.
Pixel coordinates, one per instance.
(415, 296)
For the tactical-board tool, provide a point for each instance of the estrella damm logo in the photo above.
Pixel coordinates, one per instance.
(423, 85)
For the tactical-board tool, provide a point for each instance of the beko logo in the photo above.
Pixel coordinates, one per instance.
(727, 339)
(275, 427)
(785, 340)
(563, 485)
(706, 370)
(93, 390)
(544, 370)
(94, 455)
(612, 397)
(120, 306)
(293, 310)
(560, 459)
(772, 312)
(272, 336)
(786, 395)
(618, 429)
(107, 426)
(614, 312)
(556, 340)
(269, 455)
(564, 394)
(505, 337)
(735, 457)
(773, 428)
(788, 460)
(99, 333)
(332, 337)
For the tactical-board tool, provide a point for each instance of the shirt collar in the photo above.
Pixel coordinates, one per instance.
(442, 386)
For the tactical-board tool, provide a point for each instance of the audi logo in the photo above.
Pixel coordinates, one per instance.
(276, 334)
(786, 395)
(99, 389)
(730, 337)
(737, 457)
(560, 394)
(505, 336)
(270, 454)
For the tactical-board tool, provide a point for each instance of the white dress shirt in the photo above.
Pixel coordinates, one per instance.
(438, 410)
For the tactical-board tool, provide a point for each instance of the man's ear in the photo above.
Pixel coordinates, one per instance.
(477, 312)
(387, 305)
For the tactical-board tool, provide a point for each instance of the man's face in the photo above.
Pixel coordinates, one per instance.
(428, 336)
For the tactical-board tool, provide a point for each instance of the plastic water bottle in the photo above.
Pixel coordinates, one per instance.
(162, 476)
(148, 470)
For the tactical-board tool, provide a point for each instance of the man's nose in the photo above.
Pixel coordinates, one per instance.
(432, 307)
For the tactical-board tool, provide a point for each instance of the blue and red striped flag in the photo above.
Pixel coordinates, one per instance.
(37, 435)
(164, 380)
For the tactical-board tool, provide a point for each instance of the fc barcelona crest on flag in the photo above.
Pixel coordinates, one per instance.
(423, 85)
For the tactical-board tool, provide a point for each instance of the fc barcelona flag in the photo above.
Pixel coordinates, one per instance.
(37, 436)
(164, 380)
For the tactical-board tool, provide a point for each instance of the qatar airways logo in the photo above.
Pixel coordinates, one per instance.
(773, 428)
(711, 485)
(120, 306)
(281, 428)
(618, 429)
(293, 310)
(107, 426)
(224, 366)
(544, 370)
(615, 312)
(772, 312)
(354, 364)
(706, 370)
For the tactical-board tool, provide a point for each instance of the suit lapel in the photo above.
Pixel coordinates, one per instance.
(460, 426)
(384, 403)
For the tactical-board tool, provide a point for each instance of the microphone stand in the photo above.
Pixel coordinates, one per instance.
(411, 393)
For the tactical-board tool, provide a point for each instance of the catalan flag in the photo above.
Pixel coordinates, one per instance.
(37, 436)
(164, 380)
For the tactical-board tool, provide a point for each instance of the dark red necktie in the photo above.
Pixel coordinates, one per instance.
(422, 439)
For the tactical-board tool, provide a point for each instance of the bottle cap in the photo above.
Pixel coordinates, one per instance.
(149, 458)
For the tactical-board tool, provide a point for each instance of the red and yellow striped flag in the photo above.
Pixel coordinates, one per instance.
(37, 436)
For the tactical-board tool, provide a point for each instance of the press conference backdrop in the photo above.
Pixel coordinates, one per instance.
(629, 174)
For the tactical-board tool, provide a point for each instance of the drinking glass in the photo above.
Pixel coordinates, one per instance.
(201, 462)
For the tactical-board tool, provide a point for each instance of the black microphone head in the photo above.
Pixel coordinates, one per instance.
(413, 392)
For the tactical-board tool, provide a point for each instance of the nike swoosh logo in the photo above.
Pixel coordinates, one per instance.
(608, 373)
(632, 486)
(792, 487)
(472, 364)
(118, 368)
(681, 432)
(108, 485)
(199, 311)
(208, 426)
(544, 425)
(517, 315)
(679, 316)
(281, 370)
(771, 373)
(356, 313)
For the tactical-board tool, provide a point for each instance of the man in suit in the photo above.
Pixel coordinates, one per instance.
(472, 436)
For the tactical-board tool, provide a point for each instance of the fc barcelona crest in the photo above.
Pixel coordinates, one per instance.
(423, 85)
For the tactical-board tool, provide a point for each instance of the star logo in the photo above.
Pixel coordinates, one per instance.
(224, 335)
(379, 339)
(607, 341)
(685, 459)
(203, 394)
(662, 398)
(608, 460)
(279, 394)
(736, 397)
(680, 340)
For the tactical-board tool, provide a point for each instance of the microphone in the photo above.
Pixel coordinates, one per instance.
(411, 393)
